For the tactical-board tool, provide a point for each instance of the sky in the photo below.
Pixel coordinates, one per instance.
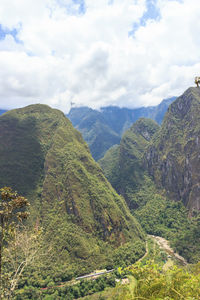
(96, 53)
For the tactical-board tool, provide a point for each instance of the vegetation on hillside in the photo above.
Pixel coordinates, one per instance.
(75, 212)
(123, 165)
(169, 219)
(12, 213)
(83, 219)
(150, 282)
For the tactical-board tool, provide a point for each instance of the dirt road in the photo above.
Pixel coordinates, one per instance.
(164, 244)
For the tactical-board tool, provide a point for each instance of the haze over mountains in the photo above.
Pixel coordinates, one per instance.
(103, 129)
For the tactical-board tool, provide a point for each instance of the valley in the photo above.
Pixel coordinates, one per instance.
(133, 215)
(99, 150)
(103, 128)
(155, 247)
(164, 245)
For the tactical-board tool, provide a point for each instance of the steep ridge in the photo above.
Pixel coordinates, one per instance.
(104, 128)
(95, 130)
(123, 164)
(45, 159)
(173, 156)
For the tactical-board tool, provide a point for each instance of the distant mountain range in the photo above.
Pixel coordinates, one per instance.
(104, 128)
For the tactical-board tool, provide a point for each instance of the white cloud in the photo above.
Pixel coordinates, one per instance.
(90, 58)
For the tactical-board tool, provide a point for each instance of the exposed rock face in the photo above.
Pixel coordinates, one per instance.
(173, 158)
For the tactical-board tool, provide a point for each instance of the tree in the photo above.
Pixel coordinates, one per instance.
(21, 252)
(12, 212)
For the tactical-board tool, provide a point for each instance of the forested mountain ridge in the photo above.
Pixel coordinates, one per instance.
(173, 156)
(104, 128)
(123, 165)
(45, 159)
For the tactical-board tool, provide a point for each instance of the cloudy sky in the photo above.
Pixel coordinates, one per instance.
(97, 52)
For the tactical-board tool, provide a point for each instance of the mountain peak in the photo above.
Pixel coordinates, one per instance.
(45, 159)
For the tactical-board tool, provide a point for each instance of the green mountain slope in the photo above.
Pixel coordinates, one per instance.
(103, 129)
(45, 159)
(123, 164)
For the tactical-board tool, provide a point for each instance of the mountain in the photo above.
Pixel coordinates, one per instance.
(173, 156)
(123, 164)
(84, 220)
(103, 129)
(151, 168)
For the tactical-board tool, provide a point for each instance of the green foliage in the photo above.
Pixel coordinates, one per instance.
(128, 254)
(77, 290)
(169, 219)
(188, 242)
(149, 282)
(110, 165)
(12, 211)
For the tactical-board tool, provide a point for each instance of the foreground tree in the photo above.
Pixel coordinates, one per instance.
(24, 250)
(12, 212)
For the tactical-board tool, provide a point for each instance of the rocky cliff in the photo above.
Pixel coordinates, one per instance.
(173, 156)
